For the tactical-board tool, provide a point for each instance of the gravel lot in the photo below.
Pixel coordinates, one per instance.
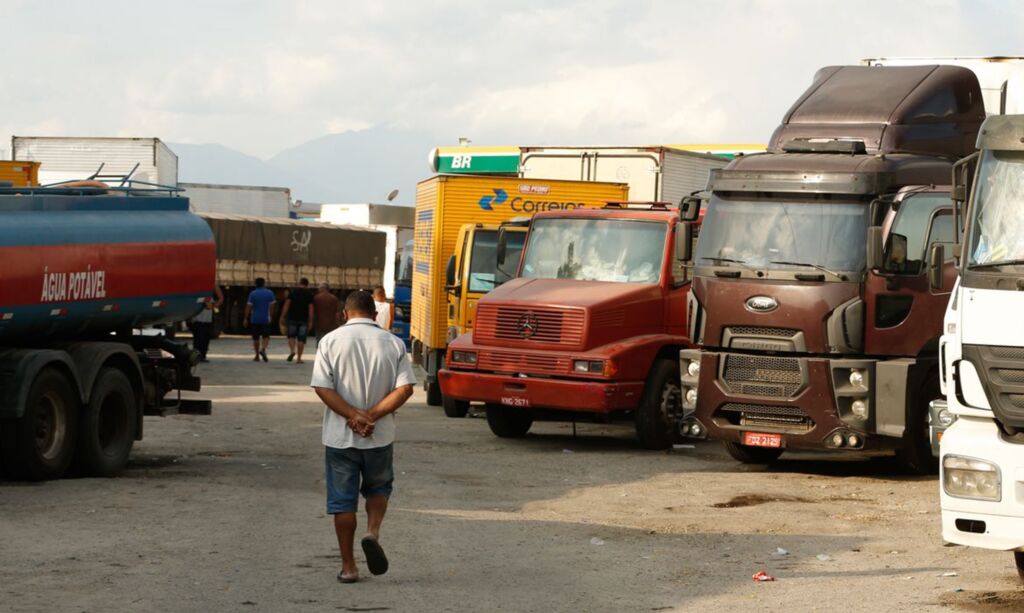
(226, 513)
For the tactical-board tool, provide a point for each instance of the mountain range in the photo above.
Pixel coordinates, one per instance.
(353, 166)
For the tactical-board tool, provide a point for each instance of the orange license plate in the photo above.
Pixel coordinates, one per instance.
(760, 439)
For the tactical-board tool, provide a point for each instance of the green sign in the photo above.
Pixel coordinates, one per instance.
(466, 160)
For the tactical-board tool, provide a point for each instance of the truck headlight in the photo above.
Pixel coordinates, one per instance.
(690, 397)
(859, 408)
(693, 368)
(588, 366)
(945, 418)
(857, 377)
(964, 477)
(464, 357)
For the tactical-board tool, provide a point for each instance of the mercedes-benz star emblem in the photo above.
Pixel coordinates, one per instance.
(527, 325)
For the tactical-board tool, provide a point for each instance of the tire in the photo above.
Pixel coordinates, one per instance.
(660, 407)
(752, 455)
(107, 429)
(455, 408)
(434, 398)
(1018, 559)
(507, 422)
(916, 454)
(41, 444)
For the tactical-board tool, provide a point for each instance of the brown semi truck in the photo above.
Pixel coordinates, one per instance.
(817, 296)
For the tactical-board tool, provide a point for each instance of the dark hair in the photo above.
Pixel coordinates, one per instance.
(360, 301)
(260, 281)
(303, 281)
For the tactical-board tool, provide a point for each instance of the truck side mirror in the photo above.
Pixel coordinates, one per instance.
(684, 242)
(689, 208)
(874, 247)
(502, 247)
(449, 273)
(936, 261)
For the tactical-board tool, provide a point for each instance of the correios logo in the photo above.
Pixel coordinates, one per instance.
(519, 204)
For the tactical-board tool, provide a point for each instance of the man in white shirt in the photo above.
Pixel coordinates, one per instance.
(385, 317)
(362, 373)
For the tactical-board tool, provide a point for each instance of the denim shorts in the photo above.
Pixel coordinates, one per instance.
(298, 331)
(346, 468)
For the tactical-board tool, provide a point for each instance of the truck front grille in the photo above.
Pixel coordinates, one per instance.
(1002, 374)
(531, 324)
(772, 377)
(509, 362)
(790, 419)
(761, 331)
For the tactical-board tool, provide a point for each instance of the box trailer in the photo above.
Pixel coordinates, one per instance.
(19, 174)
(239, 199)
(395, 221)
(67, 158)
(654, 174)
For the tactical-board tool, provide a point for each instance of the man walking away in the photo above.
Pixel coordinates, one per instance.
(257, 312)
(202, 324)
(363, 375)
(297, 317)
(325, 312)
(385, 317)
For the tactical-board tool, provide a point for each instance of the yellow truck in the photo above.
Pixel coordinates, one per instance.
(450, 206)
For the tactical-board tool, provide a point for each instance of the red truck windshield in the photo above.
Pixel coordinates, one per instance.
(617, 250)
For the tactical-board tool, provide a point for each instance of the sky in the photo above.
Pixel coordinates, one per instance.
(263, 76)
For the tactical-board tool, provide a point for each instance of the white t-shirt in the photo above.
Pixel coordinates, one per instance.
(383, 314)
(363, 364)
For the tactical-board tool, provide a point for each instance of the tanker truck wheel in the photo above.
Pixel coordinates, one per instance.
(455, 408)
(40, 445)
(752, 455)
(107, 430)
(661, 407)
(508, 422)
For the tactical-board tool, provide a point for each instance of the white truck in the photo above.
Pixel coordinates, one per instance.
(255, 200)
(395, 221)
(66, 158)
(654, 174)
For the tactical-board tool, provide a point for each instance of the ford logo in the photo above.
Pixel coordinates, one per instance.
(761, 304)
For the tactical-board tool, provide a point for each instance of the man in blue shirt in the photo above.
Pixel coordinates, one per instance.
(257, 312)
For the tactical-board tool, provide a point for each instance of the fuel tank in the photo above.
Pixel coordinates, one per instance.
(83, 263)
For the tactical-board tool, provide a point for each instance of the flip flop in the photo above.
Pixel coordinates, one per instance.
(291, 356)
(343, 578)
(376, 561)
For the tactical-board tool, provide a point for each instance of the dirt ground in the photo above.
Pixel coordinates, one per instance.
(226, 513)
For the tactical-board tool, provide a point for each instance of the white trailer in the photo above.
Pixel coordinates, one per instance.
(66, 158)
(254, 200)
(396, 221)
(654, 174)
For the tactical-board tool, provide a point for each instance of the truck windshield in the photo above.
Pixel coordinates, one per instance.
(997, 233)
(784, 235)
(484, 274)
(403, 275)
(595, 250)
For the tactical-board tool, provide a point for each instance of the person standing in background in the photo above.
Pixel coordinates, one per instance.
(257, 312)
(297, 317)
(385, 316)
(202, 324)
(325, 312)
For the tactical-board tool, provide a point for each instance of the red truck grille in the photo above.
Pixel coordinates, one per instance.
(530, 324)
(506, 361)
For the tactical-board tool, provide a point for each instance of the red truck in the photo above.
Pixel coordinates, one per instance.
(819, 282)
(591, 327)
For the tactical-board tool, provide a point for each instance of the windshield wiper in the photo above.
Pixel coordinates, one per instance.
(837, 275)
(731, 261)
(994, 264)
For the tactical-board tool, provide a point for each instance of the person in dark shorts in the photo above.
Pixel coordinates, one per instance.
(297, 317)
(257, 313)
(363, 375)
(326, 315)
(202, 324)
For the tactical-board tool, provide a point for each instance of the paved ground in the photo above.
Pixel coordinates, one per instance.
(225, 513)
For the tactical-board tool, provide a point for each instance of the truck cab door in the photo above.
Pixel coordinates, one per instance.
(457, 291)
(677, 282)
(904, 314)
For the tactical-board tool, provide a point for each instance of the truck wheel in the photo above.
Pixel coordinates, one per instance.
(236, 316)
(40, 445)
(661, 407)
(107, 431)
(507, 422)
(916, 453)
(455, 408)
(1018, 558)
(752, 455)
(434, 398)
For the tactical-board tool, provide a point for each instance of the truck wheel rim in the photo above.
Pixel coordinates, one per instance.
(51, 426)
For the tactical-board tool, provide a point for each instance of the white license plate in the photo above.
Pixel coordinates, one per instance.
(760, 439)
(515, 401)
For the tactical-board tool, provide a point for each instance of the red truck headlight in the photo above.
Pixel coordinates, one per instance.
(464, 357)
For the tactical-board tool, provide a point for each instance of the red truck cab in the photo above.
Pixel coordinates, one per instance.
(592, 325)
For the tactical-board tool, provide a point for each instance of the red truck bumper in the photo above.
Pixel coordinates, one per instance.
(541, 393)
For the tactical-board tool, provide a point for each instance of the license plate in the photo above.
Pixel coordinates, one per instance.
(515, 401)
(759, 439)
